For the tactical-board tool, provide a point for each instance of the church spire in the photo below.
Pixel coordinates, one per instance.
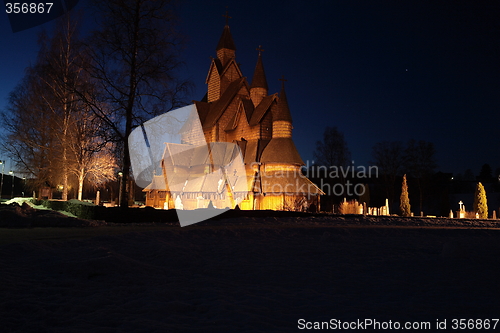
(258, 88)
(282, 110)
(259, 75)
(226, 40)
(226, 48)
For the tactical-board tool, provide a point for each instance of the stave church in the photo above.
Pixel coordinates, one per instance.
(259, 126)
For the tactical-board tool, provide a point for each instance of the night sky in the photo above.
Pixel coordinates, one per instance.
(392, 70)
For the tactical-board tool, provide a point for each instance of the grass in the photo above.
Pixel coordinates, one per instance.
(29, 201)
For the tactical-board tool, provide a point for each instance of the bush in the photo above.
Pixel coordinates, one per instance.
(480, 202)
(404, 204)
(54, 204)
(83, 210)
(80, 209)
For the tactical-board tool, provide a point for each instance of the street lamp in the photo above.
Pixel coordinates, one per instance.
(12, 194)
(120, 174)
(1, 181)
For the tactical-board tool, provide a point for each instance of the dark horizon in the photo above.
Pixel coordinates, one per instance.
(378, 72)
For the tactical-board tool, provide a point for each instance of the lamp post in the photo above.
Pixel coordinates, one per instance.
(2, 162)
(120, 174)
(12, 194)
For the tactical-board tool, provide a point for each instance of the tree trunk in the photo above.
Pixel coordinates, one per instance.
(65, 153)
(132, 94)
(80, 184)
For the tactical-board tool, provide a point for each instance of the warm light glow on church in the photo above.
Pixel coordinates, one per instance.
(237, 119)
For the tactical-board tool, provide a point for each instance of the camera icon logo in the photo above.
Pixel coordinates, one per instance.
(173, 162)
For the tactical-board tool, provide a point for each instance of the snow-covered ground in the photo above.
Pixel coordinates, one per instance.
(242, 276)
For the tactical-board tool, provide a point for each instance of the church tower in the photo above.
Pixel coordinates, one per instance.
(281, 153)
(282, 119)
(224, 68)
(259, 127)
(226, 50)
(258, 89)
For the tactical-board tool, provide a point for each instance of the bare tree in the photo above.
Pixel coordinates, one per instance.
(52, 133)
(420, 162)
(388, 156)
(332, 150)
(94, 158)
(134, 61)
(58, 69)
(27, 121)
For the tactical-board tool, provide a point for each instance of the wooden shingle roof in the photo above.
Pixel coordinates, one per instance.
(259, 76)
(281, 150)
(158, 183)
(248, 107)
(282, 110)
(261, 109)
(226, 40)
(288, 183)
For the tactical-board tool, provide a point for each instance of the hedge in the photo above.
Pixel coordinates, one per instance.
(80, 209)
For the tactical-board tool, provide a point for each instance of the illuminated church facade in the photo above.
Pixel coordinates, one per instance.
(259, 125)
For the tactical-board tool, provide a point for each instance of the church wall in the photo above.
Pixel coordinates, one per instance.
(232, 73)
(266, 126)
(155, 198)
(269, 201)
(225, 55)
(257, 94)
(282, 129)
(224, 83)
(247, 204)
(208, 135)
(297, 202)
(253, 133)
(213, 86)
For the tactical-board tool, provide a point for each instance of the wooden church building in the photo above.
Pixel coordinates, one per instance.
(256, 122)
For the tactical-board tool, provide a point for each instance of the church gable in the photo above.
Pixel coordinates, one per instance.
(238, 119)
(218, 107)
(234, 106)
(230, 73)
(238, 128)
(228, 117)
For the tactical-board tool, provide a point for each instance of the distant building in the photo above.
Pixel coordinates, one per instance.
(259, 124)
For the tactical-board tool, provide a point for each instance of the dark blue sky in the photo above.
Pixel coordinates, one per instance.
(391, 70)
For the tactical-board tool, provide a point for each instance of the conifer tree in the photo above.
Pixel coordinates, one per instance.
(404, 204)
(480, 202)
